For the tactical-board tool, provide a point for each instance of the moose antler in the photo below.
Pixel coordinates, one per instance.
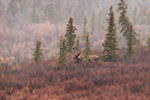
(76, 56)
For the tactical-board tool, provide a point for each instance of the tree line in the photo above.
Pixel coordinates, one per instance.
(55, 11)
(70, 42)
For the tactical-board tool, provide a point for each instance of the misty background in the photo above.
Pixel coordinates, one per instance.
(23, 22)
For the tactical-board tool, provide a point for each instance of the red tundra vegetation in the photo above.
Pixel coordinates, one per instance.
(125, 79)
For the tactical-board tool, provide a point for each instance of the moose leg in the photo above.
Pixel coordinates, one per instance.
(96, 59)
(77, 60)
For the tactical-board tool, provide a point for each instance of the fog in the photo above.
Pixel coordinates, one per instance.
(23, 22)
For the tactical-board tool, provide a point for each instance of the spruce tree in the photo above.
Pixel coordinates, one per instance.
(124, 20)
(130, 42)
(62, 52)
(70, 35)
(148, 41)
(111, 42)
(87, 48)
(37, 55)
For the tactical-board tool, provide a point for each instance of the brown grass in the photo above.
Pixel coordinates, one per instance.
(126, 79)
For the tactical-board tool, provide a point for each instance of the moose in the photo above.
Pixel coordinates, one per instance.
(80, 56)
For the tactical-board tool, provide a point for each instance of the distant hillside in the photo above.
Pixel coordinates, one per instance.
(23, 22)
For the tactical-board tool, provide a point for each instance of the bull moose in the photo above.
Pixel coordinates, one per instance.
(80, 57)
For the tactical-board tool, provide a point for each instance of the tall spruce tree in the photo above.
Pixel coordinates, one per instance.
(37, 55)
(124, 20)
(130, 42)
(62, 52)
(70, 35)
(87, 48)
(111, 43)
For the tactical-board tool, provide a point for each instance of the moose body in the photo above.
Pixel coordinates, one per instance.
(80, 57)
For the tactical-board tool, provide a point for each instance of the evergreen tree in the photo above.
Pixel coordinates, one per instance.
(52, 54)
(130, 42)
(70, 35)
(62, 52)
(124, 20)
(87, 48)
(148, 41)
(37, 55)
(111, 43)
(77, 43)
